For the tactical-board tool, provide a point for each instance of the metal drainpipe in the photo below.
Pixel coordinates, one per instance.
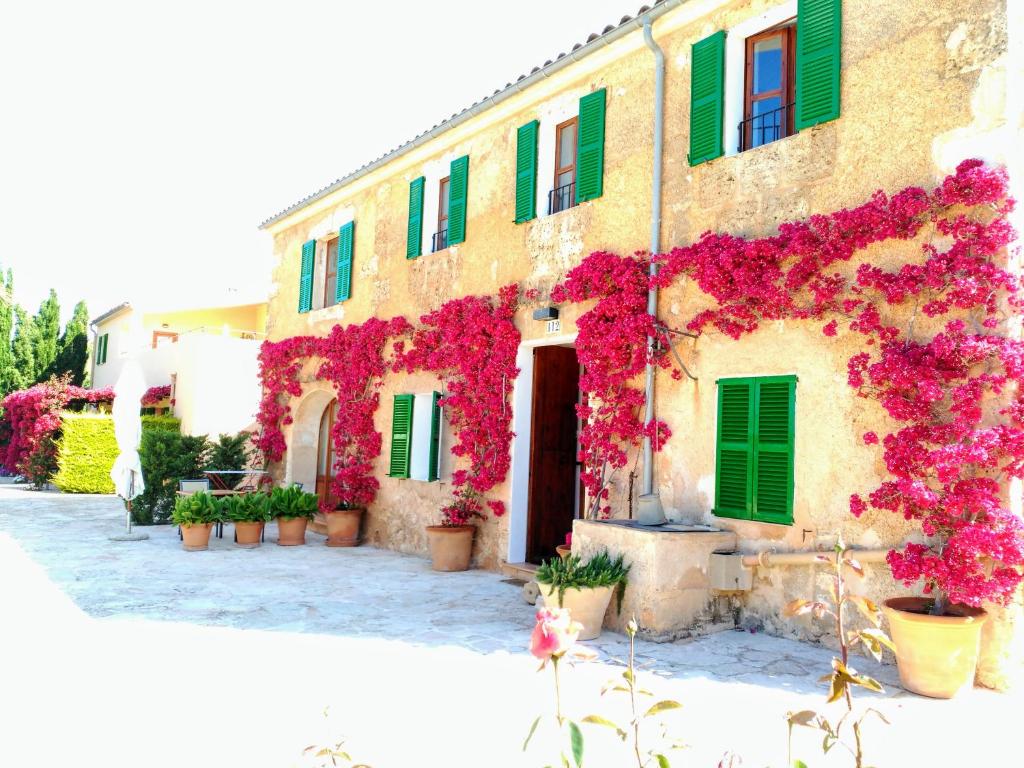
(652, 294)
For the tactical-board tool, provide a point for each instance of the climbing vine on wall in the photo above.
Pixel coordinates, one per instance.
(469, 343)
(956, 394)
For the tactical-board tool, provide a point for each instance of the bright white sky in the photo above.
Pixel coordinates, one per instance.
(141, 143)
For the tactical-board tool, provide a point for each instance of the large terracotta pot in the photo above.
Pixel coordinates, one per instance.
(450, 546)
(247, 534)
(291, 532)
(587, 606)
(195, 538)
(343, 527)
(936, 655)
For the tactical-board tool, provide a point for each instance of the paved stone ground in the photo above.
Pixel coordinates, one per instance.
(118, 654)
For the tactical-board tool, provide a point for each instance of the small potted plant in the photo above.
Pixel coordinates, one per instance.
(195, 515)
(451, 542)
(585, 588)
(249, 512)
(293, 508)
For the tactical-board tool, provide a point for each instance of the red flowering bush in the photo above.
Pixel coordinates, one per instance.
(957, 394)
(279, 366)
(471, 344)
(612, 348)
(30, 421)
(156, 395)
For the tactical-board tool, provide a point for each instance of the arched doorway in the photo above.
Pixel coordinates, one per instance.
(325, 453)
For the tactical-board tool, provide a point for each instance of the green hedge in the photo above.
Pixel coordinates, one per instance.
(167, 457)
(165, 422)
(85, 453)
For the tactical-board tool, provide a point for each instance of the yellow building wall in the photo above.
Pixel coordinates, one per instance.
(923, 86)
(250, 318)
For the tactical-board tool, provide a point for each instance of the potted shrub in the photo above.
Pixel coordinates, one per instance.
(585, 588)
(293, 508)
(451, 542)
(249, 512)
(195, 514)
(343, 523)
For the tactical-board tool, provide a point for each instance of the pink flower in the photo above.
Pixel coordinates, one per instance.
(554, 634)
(870, 438)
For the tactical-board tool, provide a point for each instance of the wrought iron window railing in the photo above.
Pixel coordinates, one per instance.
(766, 127)
(440, 241)
(562, 197)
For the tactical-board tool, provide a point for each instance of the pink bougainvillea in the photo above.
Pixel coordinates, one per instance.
(955, 449)
(31, 419)
(470, 344)
(156, 395)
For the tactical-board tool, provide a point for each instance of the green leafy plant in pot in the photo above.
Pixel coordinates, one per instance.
(293, 508)
(585, 587)
(196, 514)
(249, 512)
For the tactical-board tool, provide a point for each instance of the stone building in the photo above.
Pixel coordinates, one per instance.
(774, 110)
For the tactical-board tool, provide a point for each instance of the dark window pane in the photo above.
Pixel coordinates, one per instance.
(767, 123)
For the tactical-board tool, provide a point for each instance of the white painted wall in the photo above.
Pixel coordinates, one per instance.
(218, 388)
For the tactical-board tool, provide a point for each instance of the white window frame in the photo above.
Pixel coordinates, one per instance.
(736, 67)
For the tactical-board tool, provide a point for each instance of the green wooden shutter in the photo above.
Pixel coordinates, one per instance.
(526, 172)
(414, 238)
(434, 468)
(735, 448)
(306, 276)
(99, 348)
(707, 98)
(818, 59)
(773, 450)
(346, 243)
(590, 147)
(106, 344)
(457, 186)
(401, 435)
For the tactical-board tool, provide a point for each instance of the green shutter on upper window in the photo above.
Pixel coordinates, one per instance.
(106, 344)
(526, 172)
(707, 98)
(434, 468)
(458, 186)
(306, 276)
(773, 450)
(401, 436)
(590, 147)
(414, 238)
(346, 245)
(818, 60)
(735, 448)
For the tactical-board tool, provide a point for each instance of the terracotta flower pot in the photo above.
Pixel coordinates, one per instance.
(343, 527)
(247, 534)
(195, 538)
(291, 531)
(563, 550)
(587, 606)
(450, 546)
(936, 655)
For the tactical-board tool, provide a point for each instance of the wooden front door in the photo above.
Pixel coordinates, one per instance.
(325, 452)
(553, 447)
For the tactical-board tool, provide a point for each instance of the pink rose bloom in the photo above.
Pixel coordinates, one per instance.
(554, 634)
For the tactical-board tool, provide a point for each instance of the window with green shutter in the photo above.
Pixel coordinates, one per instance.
(346, 244)
(434, 470)
(754, 449)
(707, 98)
(590, 147)
(101, 349)
(457, 191)
(306, 276)
(401, 435)
(526, 172)
(414, 237)
(818, 60)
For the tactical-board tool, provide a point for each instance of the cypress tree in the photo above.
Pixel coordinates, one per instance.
(22, 349)
(8, 373)
(46, 336)
(73, 348)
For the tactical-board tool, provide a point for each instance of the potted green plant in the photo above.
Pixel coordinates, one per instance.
(584, 587)
(249, 512)
(293, 508)
(196, 514)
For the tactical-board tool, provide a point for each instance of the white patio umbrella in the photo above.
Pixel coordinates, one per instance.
(127, 470)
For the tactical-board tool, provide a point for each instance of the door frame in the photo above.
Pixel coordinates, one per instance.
(522, 419)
